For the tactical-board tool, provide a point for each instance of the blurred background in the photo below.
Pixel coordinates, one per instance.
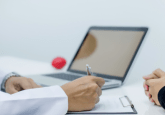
(44, 29)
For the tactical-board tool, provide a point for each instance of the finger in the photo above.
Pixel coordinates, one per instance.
(145, 86)
(151, 76)
(151, 91)
(98, 99)
(39, 86)
(159, 73)
(18, 88)
(99, 91)
(151, 100)
(25, 84)
(148, 94)
(100, 81)
(149, 82)
(34, 85)
(11, 89)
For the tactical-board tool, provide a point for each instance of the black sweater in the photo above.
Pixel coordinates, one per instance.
(161, 97)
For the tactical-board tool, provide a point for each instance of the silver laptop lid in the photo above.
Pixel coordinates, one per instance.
(110, 51)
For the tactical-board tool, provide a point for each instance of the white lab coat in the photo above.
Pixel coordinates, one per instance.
(40, 101)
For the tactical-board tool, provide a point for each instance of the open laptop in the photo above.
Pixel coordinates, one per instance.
(109, 51)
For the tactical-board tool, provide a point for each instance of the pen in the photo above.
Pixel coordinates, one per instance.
(89, 71)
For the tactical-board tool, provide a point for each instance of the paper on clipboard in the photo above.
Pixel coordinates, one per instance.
(110, 105)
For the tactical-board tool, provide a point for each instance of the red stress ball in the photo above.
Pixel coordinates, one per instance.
(59, 62)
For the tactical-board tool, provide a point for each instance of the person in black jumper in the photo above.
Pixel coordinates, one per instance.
(154, 86)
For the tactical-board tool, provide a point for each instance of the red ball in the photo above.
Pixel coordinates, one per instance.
(59, 62)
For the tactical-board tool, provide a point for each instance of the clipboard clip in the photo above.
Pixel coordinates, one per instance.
(130, 102)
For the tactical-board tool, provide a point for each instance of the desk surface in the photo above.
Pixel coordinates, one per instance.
(133, 90)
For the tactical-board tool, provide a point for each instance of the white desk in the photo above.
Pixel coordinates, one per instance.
(133, 90)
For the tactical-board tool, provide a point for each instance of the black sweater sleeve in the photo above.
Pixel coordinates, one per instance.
(161, 97)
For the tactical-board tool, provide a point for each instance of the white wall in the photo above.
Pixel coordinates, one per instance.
(44, 29)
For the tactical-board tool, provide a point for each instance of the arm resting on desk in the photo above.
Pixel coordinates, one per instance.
(39, 101)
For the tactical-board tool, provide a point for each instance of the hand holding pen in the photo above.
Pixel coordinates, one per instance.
(85, 89)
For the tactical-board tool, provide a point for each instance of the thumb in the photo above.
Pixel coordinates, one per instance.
(100, 81)
(159, 73)
(151, 76)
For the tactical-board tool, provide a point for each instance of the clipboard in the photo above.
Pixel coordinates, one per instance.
(123, 102)
(130, 104)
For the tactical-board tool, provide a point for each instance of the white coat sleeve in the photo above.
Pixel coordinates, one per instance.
(40, 101)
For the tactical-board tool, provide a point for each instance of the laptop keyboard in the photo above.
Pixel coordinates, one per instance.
(65, 76)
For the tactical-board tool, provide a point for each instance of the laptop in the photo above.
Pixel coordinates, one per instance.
(110, 52)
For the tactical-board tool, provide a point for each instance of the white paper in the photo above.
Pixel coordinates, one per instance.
(110, 105)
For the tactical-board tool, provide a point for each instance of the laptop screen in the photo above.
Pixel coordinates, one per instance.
(108, 52)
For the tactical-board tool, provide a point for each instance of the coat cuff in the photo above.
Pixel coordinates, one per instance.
(161, 97)
(58, 91)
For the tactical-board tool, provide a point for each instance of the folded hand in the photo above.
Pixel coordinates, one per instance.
(153, 83)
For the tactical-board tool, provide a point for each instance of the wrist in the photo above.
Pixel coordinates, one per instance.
(161, 97)
(12, 74)
(64, 87)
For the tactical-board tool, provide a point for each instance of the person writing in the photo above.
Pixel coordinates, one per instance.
(154, 87)
(23, 96)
